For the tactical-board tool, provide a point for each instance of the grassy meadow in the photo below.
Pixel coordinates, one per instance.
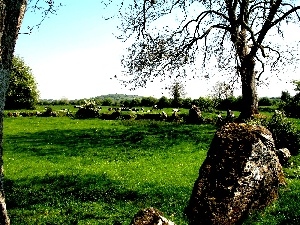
(68, 171)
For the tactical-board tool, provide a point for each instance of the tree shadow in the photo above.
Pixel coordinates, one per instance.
(134, 141)
(70, 193)
(54, 190)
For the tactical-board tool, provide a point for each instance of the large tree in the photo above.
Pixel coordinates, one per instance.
(243, 37)
(11, 16)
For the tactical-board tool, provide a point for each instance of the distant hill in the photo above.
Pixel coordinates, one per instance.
(118, 97)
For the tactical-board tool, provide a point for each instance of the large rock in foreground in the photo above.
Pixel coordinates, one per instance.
(240, 173)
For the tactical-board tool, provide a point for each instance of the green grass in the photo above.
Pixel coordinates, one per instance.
(67, 171)
(64, 171)
(286, 210)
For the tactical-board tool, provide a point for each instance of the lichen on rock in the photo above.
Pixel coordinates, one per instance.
(241, 173)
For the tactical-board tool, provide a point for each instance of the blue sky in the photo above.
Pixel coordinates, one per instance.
(74, 55)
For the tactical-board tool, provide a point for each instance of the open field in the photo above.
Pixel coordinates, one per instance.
(67, 171)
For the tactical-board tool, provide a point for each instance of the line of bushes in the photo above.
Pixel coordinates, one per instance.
(204, 103)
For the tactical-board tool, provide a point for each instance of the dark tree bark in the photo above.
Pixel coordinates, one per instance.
(248, 80)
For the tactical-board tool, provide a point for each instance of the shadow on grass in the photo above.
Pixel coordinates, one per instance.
(71, 193)
(54, 190)
(109, 143)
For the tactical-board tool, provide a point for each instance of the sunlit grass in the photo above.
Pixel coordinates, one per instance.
(68, 171)
(64, 171)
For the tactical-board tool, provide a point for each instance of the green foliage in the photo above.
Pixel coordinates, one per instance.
(125, 103)
(297, 84)
(232, 103)
(88, 110)
(135, 102)
(187, 103)
(63, 101)
(117, 98)
(177, 92)
(22, 92)
(291, 105)
(264, 101)
(205, 104)
(163, 102)
(107, 102)
(285, 96)
(284, 133)
(148, 101)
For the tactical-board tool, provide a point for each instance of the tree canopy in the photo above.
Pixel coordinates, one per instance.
(177, 92)
(22, 92)
(241, 36)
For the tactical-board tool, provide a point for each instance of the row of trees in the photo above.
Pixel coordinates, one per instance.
(23, 94)
(204, 103)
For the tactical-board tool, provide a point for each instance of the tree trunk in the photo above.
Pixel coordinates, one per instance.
(4, 74)
(249, 105)
(11, 16)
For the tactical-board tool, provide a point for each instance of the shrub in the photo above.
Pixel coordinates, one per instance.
(135, 102)
(128, 116)
(187, 103)
(107, 102)
(88, 110)
(292, 107)
(264, 101)
(284, 133)
(205, 104)
(232, 103)
(148, 101)
(163, 102)
(285, 96)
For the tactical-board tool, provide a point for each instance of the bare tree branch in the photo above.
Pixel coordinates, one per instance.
(45, 8)
(235, 32)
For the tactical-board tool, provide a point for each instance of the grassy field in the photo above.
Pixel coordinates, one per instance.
(67, 171)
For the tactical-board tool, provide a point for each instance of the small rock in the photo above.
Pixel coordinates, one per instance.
(150, 216)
